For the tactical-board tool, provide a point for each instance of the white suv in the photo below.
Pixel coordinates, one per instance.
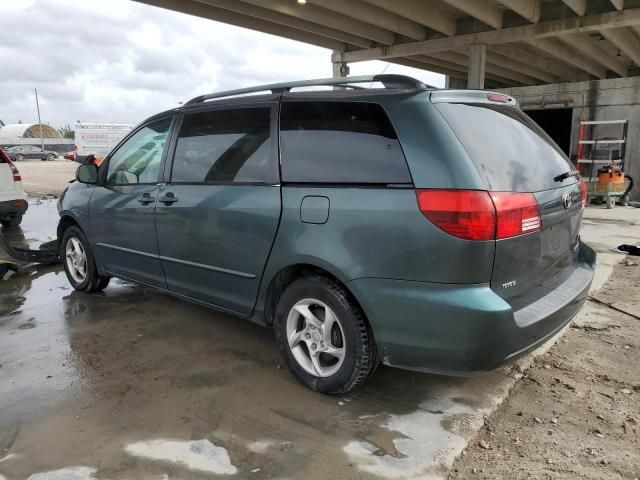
(13, 200)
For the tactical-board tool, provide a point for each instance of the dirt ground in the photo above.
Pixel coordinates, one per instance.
(576, 413)
(46, 178)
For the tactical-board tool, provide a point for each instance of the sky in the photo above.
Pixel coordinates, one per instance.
(127, 61)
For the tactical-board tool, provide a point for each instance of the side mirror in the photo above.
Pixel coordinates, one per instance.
(87, 173)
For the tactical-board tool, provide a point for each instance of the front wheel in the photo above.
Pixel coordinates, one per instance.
(323, 336)
(79, 264)
(51, 157)
(19, 157)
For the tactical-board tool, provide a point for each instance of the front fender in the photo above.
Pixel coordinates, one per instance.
(73, 207)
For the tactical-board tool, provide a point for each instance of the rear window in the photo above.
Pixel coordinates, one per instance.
(340, 142)
(510, 151)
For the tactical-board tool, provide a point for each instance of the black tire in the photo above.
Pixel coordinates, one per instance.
(93, 282)
(51, 157)
(19, 157)
(12, 222)
(360, 359)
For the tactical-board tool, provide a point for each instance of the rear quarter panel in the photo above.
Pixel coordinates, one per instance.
(375, 232)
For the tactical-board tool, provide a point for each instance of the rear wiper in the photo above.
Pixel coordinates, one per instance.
(565, 175)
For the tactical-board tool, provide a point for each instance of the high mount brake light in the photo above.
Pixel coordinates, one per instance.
(480, 215)
(498, 97)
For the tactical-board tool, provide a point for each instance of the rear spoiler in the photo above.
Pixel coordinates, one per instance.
(471, 96)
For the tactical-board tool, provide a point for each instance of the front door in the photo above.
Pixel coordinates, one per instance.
(122, 211)
(217, 217)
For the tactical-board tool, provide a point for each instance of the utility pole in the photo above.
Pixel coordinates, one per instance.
(39, 121)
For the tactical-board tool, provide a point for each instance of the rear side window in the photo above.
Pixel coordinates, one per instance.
(510, 151)
(339, 142)
(224, 146)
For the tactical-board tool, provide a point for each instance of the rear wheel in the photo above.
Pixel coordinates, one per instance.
(79, 264)
(611, 202)
(12, 222)
(323, 336)
(19, 157)
(51, 157)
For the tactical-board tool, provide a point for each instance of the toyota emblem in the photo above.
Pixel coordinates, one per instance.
(567, 200)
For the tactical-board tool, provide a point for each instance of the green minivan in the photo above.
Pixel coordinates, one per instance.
(377, 221)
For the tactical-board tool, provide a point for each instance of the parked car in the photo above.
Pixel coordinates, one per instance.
(433, 230)
(20, 152)
(70, 155)
(13, 200)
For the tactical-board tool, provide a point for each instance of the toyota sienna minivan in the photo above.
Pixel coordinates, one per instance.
(426, 229)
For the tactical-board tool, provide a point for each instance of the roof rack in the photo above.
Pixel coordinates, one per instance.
(389, 81)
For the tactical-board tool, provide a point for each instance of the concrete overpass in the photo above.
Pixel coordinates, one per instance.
(476, 43)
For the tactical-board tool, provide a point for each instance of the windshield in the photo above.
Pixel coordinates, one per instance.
(511, 152)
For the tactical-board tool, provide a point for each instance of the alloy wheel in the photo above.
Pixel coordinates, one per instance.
(76, 260)
(316, 337)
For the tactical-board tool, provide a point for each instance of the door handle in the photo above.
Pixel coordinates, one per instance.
(168, 199)
(145, 198)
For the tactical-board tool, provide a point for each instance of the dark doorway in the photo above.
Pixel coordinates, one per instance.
(557, 123)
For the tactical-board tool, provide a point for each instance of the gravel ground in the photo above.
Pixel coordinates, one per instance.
(46, 178)
(576, 413)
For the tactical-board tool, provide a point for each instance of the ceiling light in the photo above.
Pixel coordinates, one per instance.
(302, 2)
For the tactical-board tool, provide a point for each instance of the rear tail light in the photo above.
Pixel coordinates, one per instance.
(467, 214)
(517, 214)
(480, 215)
(14, 170)
(583, 192)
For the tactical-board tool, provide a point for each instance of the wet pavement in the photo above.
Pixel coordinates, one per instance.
(130, 383)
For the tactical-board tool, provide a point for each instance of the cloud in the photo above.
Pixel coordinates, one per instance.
(129, 61)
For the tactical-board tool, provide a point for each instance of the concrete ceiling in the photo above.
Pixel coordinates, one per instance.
(528, 42)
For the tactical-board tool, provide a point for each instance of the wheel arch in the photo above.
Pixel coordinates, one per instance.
(65, 222)
(289, 274)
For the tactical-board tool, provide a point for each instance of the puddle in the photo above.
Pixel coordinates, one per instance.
(427, 440)
(69, 473)
(199, 455)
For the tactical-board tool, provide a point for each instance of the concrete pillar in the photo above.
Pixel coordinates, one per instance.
(340, 68)
(454, 82)
(477, 58)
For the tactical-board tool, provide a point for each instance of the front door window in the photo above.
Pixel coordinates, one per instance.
(138, 159)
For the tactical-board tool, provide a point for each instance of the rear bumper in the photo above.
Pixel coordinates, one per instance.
(464, 329)
(13, 208)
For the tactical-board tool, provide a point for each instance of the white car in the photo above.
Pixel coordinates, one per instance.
(13, 200)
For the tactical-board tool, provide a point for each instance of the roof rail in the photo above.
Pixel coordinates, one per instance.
(389, 81)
